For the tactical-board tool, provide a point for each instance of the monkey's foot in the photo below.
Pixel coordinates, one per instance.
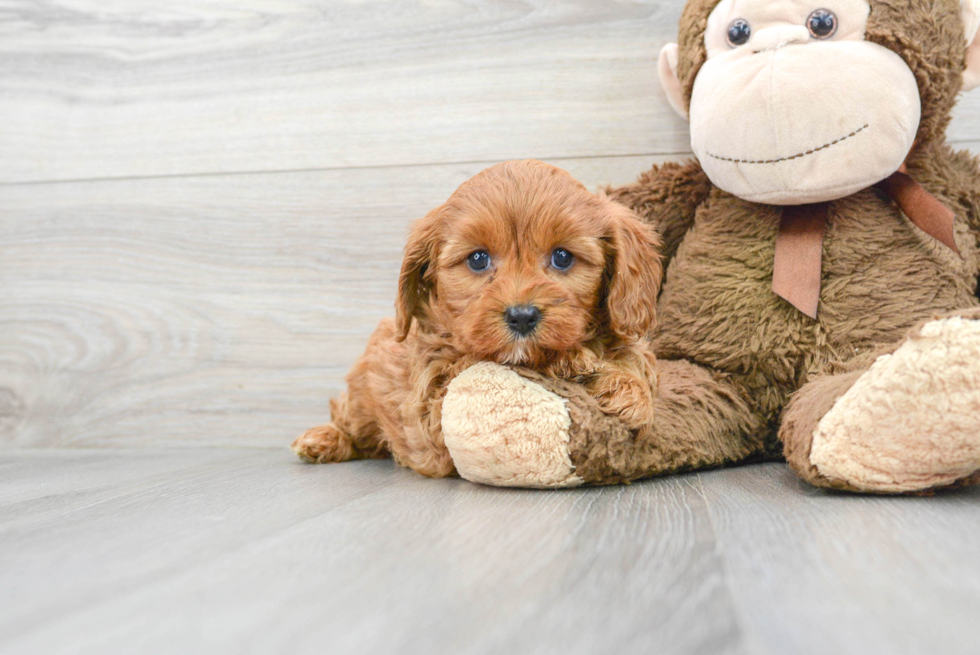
(912, 421)
(505, 430)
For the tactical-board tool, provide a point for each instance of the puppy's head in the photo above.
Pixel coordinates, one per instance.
(522, 264)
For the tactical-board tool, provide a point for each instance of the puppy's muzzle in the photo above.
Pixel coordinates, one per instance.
(522, 319)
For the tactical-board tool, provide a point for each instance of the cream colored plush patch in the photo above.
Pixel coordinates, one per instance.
(912, 421)
(504, 430)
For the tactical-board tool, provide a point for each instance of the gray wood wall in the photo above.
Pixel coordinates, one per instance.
(203, 203)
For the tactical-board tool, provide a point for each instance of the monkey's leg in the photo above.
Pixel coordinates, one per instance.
(904, 419)
(350, 434)
(524, 430)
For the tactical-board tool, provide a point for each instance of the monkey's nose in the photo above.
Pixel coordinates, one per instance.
(774, 38)
(522, 319)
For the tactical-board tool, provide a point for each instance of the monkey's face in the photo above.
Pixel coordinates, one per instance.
(794, 106)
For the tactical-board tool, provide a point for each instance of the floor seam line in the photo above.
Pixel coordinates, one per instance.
(749, 641)
(320, 169)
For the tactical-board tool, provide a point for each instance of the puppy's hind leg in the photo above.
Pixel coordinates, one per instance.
(343, 438)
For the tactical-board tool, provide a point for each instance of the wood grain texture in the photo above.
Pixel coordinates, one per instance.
(252, 167)
(107, 89)
(818, 572)
(230, 551)
(257, 552)
(209, 309)
(225, 308)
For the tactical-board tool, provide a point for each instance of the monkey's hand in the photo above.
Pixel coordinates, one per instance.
(521, 429)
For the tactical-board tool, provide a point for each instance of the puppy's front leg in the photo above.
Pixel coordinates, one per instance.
(626, 387)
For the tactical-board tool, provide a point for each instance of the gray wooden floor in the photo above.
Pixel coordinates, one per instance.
(203, 205)
(247, 550)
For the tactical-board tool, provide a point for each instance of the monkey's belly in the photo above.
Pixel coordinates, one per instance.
(880, 276)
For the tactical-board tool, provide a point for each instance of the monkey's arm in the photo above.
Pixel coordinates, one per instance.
(666, 196)
(517, 428)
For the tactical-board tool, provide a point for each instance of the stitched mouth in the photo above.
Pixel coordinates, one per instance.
(797, 156)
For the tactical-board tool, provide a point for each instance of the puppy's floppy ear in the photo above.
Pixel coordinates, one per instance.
(417, 279)
(634, 273)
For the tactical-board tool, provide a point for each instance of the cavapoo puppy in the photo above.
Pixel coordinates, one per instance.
(521, 266)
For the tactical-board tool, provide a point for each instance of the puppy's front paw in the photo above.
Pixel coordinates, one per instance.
(323, 444)
(626, 396)
(505, 430)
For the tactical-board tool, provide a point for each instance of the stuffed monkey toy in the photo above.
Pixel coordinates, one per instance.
(820, 298)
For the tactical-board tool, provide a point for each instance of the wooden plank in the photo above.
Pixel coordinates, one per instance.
(817, 572)
(96, 89)
(234, 550)
(59, 481)
(105, 540)
(265, 554)
(215, 309)
(93, 89)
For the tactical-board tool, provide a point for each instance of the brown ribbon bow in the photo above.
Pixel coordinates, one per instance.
(799, 243)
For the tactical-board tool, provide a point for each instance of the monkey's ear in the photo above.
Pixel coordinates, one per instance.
(634, 274)
(971, 21)
(667, 68)
(417, 279)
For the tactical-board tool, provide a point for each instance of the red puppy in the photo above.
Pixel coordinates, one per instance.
(521, 266)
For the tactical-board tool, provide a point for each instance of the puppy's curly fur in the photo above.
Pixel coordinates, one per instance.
(591, 326)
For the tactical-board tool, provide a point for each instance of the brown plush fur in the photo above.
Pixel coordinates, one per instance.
(594, 317)
(731, 354)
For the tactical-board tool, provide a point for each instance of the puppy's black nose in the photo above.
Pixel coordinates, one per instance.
(522, 319)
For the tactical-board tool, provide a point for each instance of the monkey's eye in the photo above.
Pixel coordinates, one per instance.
(478, 261)
(562, 259)
(739, 32)
(822, 24)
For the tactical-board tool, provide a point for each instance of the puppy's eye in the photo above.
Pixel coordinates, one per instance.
(562, 259)
(822, 24)
(478, 261)
(739, 32)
